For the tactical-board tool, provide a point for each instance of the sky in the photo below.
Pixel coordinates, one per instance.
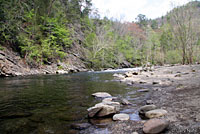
(127, 10)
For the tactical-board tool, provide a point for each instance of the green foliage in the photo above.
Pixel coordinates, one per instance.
(44, 43)
(173, 56)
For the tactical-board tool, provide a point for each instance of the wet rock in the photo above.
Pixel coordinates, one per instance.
(125, 102)
(143, 90)
(101, 95)
(146, 108)
(120, 117)
(155, 113)
(93, 111)
(155, 126)
(111, 103)
(80, 126)
(106, 110)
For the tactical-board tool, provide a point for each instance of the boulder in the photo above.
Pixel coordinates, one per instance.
(134, 133)
(155, 113)
(93, 111)
(111, 103)
(80, 126)
(107, 100)
(120, 117)
(106, 110)
(155, 126)
(146, 108)
(101, 95)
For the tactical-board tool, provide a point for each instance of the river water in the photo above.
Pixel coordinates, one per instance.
(49, 104)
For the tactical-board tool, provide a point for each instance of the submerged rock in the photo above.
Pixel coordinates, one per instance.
(125, 102)
(101, 95)
(80, 126)
(120, 117)
(155, 113)
(155, 126)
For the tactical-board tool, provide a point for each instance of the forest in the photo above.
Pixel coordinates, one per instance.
(45, 32)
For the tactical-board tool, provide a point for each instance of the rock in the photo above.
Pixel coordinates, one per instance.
(177, 75)
(143, 90)
(155, 82)
(157, 89)
(101, 95)
(149, 102)
(155, 113)
(155, 126)
(93, 111)
(106, 110)
(107, 100)
(116, 75)
(80, 126)
(134, 133)
(103, 109)
(125, 102)
(61, 72)
(142, 82)
(128, 74)
(146, 108)
(120, 117)
(110, 103)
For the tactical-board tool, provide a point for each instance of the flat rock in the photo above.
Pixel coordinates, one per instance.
(121, 117)
(80, 126)
(155, 113)
(155, 126)
(146, 108)
(101, 95)
(107, 100)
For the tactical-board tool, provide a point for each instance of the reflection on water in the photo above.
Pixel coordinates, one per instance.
(48, 104)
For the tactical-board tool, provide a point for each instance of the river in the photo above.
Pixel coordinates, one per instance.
(49, 104)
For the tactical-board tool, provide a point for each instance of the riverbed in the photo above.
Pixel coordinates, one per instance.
(49, 104)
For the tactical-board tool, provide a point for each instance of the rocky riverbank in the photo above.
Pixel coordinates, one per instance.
(11, 64)
(175, 90)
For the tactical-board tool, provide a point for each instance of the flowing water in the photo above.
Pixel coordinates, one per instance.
(49, 104)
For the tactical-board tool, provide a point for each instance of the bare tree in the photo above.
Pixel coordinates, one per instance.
(184, 29)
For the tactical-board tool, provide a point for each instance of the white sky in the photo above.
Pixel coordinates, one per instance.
(127, 10)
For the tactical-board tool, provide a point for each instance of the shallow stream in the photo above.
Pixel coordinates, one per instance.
(49, 104)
